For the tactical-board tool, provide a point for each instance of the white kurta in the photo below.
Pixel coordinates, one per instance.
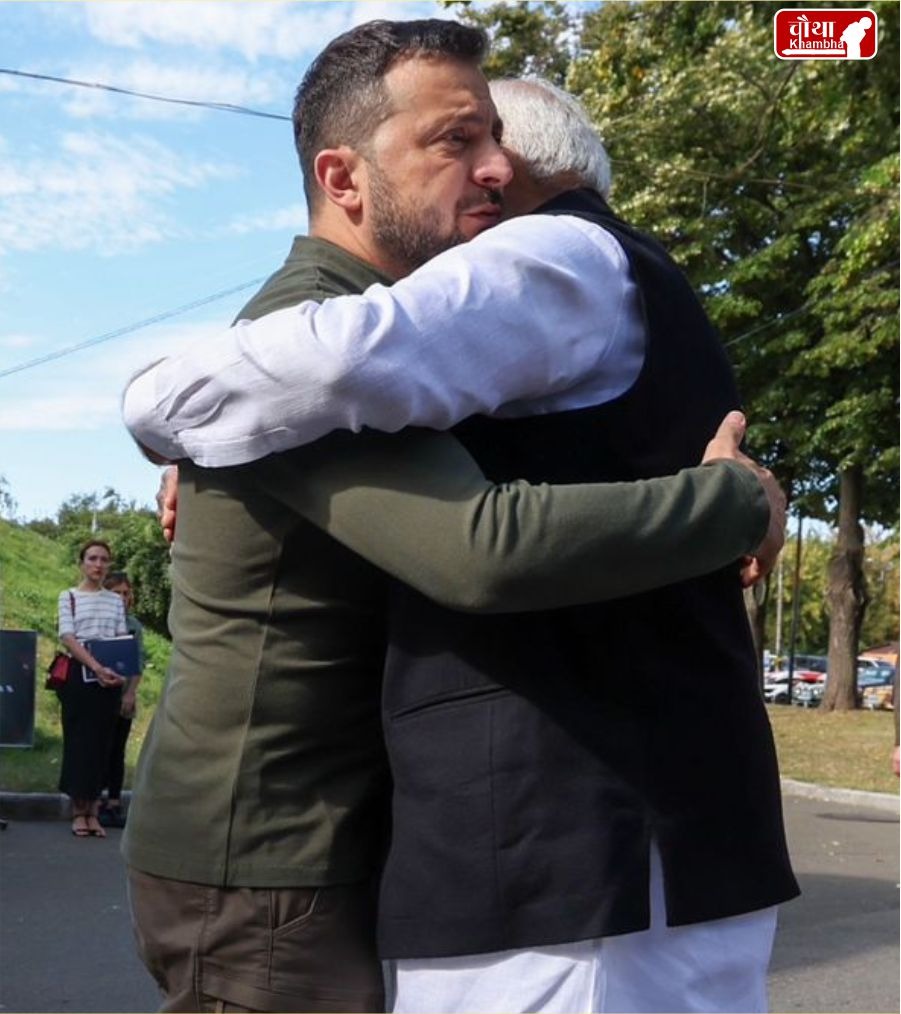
(716, 967)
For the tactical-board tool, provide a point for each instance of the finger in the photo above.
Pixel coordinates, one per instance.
(167, 523)
(732, 428)
(726, 440)
(168, 486)
(751, 571)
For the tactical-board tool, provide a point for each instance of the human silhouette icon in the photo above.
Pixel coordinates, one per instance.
(853, 35)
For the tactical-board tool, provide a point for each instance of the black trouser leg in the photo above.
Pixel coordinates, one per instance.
(116, 766)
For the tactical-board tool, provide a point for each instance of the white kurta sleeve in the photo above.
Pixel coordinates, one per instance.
(537, 307)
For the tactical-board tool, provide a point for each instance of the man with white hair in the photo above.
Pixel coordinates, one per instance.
(586, 808)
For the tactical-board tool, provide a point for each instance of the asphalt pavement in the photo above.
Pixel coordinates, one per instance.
(66, 944)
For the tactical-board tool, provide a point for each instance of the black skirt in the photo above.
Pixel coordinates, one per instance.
(89, 712)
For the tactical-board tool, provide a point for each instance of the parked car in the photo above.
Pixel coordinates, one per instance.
(875, 677)
(775, 688)
(877, 697)
(874, 667)
(874, 686)
(811, 663)
(809, 695)
(815, 663)
(775, 684)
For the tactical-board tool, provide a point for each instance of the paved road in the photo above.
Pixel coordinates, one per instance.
(65, 942)
(65, 936)
(837, 945)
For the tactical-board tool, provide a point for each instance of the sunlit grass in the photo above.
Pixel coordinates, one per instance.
(848, 749)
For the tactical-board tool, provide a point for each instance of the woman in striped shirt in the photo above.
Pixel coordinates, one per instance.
(91, 696)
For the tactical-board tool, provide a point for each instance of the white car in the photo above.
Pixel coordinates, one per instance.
(775, 684)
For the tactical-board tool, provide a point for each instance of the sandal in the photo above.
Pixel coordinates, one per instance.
(95, 829)
(82, 830)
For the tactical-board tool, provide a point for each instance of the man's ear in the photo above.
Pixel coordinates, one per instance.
(338, 176)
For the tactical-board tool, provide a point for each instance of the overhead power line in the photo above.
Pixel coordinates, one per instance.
(128, 328)
(778, 319)
(222, 107)
(781, 318)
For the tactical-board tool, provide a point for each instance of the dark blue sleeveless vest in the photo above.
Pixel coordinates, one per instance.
(535, 755)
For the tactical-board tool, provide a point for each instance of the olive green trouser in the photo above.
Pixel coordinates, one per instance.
(257, 949)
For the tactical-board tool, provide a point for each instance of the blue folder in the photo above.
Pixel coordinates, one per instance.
(117, 653)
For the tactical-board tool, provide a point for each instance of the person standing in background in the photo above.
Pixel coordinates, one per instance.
(111, 813)
(91, 697)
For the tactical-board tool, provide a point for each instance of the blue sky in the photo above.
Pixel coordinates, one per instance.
(116, 209)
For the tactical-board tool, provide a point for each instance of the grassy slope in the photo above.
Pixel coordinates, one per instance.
(33, 571)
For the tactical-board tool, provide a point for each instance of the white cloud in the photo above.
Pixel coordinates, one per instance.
(97, 192)
(16, 341)
(196, 83)
(67, 412)
(82, 392)
(292, 217)
(370, 10)
(255, 30)
(284, 30)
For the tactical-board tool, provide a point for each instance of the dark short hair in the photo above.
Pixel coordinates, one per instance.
(93, 542)
(342, 98)
(115, 577)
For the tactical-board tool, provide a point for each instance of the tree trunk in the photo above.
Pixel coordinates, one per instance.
(846, 596)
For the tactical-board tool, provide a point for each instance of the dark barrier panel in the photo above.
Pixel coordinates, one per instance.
(18, 650)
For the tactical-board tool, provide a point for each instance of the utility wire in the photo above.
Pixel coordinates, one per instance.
(228, 107)
(224, 107)
(167, 314)
(129, 328)
(781, 318)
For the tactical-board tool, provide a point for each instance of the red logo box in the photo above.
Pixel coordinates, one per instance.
(825, 33)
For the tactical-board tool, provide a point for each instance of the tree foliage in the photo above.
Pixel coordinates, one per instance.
(8, 504)
(526, 38)
(881, 578)
(775, 186)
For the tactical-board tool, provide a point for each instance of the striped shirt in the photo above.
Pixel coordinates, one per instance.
(97, 614)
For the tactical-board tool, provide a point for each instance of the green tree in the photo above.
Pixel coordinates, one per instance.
(813, 618)
(8, 505)
(856, 302)
(880, 624)
(526, 38)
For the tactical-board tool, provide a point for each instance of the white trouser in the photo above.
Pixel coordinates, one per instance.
(717, 966)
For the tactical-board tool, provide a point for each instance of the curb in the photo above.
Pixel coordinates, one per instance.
(852, 797)
(39, 805)
(55, 806)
